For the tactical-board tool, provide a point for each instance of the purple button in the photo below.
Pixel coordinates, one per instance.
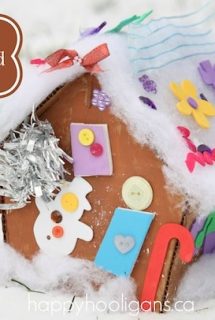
(192, 102)
(100, 99)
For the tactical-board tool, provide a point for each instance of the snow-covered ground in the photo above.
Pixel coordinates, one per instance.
(49, 25)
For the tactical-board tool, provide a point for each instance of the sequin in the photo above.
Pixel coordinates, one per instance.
(148, 84)
(203, 148)
(100, 100)
(148, 102)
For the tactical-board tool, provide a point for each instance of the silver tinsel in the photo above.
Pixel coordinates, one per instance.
(31, 164)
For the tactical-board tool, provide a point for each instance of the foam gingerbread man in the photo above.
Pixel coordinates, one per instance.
(57, 227)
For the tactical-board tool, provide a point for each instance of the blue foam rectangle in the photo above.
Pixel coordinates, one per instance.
(126, 223)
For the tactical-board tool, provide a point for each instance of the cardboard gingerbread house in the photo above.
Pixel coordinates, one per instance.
(133, 189)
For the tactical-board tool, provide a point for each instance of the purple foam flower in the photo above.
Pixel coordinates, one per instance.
(100, 99)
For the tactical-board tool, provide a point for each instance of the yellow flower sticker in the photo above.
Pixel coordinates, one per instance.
(190, 104)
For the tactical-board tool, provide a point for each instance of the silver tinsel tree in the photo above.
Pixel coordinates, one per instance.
(31, 164)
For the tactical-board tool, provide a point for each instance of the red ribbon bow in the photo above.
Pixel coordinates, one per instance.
(63, 58)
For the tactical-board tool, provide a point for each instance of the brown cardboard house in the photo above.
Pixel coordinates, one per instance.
(71, 102)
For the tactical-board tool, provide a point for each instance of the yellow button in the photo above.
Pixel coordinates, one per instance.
(86, 137)
(137, 193)
(69, 202)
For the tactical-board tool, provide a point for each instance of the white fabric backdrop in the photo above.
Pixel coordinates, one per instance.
(49, 24)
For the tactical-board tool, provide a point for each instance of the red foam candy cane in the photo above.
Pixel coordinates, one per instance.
(165, 235)
(63, 58)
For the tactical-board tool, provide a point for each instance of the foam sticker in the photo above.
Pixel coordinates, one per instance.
(123, 240)
(191, 105)
(207, 72)
(91, 150)
(202, 158)
(203, 231)
(166, 234)
(57, 227)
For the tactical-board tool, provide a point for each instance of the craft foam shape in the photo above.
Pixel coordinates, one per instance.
(73, 229)
(206, 234)
(123, 240)
(85, 164)
(207, 72)
(205, 158)
(165, 235)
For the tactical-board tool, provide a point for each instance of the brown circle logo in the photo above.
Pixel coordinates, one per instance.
(10, 65)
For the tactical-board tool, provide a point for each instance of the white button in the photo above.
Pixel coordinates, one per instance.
(137, 193)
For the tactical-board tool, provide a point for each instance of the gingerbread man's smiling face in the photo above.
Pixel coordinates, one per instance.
(57, 227)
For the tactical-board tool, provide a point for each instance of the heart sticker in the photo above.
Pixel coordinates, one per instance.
(124, 243)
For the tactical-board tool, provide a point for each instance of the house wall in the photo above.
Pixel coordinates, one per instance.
(72, 104)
